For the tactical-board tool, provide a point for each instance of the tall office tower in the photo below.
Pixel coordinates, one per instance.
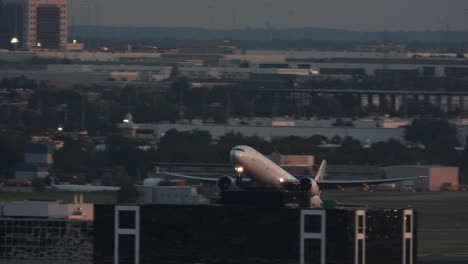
(47, 27)
(39, 24)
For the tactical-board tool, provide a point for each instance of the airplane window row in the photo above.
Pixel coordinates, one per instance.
(239, 149)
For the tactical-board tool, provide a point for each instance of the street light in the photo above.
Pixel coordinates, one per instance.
(14, 41)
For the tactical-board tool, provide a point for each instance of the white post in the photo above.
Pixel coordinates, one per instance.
(407, 230)
(126, 231)
(321, 235)
(360, 235)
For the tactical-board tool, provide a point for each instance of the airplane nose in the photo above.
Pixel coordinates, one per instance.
(234, 156)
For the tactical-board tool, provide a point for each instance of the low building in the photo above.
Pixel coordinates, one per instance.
(253, 234)
(38, 153)
(46, 232)
(37, 161)
(28, 171)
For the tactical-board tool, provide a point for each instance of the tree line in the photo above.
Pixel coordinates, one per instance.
(429, 141)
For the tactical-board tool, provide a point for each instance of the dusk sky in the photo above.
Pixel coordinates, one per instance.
(364, 15)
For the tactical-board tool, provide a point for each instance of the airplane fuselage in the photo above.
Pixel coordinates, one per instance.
(84, 188)
(264, 170)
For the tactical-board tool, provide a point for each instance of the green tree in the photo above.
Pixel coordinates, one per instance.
(71, 157)
(438, 136)
(54, 108)
(11, 150)
(426, 131)
(232, 139)
(38, 184)
(293, 145)
(187, 146)
(127, 192)
(350, 152)
(390, 152)
(177, 95)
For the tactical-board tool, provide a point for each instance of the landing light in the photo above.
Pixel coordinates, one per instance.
(281, 180)
(239, 169)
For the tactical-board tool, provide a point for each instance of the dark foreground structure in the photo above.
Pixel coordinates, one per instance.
(252, 234)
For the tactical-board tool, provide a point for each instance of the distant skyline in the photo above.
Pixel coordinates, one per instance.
(361, 15)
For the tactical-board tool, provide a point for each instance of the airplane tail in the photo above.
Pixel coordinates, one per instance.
(321, 172)
(316, 201)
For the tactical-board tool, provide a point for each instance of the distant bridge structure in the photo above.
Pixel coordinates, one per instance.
(391, 99)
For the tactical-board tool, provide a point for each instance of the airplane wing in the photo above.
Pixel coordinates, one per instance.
(199, 178)
(188, 177)
(334, 184)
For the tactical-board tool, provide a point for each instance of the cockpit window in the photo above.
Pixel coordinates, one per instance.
(239, 149)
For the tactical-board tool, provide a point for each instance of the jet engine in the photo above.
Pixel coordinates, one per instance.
(225, 183)
(309, 184)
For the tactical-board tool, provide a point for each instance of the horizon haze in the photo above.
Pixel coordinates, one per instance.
(359, 15)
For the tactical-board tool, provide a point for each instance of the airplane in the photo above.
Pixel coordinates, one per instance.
(57, 185)
(248, 161)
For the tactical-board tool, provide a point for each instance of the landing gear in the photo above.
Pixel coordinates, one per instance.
(239, 169)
